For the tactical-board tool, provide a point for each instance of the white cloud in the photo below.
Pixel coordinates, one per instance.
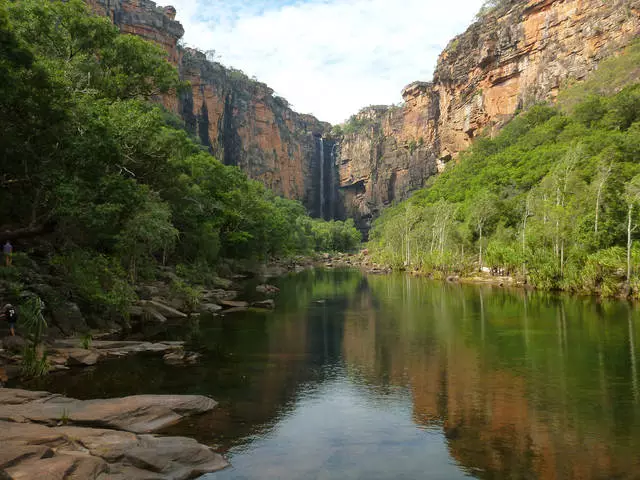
(328, 57)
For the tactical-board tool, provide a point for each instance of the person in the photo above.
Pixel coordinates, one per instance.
(11, 314)
(8, 252)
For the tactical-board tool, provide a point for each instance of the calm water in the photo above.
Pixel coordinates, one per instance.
(367, 377)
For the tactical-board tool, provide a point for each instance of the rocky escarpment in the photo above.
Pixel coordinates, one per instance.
(520, 53)
(241, 120)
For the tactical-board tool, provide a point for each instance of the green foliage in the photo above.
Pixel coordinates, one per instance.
(116, 177)
(552, 196)
(34, 362)
(612, 75)
(98, 281)
(335, 236)
(86, 341)
(32, 318)
(34, 359)
(191, 296)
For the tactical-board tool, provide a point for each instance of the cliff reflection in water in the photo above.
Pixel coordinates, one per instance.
(382, 377)
(524, 385)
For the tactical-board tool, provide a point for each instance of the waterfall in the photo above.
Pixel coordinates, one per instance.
(321, 178)
(332, 192)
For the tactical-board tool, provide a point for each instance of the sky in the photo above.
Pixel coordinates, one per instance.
(329, 58)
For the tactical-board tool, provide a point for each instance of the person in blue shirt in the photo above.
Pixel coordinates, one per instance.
(8, 252)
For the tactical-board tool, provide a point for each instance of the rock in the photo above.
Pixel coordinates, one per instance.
(137, 414)
(267, 289)
(166, 310)
(181, 358)
(509, 60)
(209, 308)
(268, 304)
(234, 304)
(69, 351)
(235, 310)
(66, 452)
(217, 295)
(68, 318)
(14, 344)
(222, 283)
(82, 357)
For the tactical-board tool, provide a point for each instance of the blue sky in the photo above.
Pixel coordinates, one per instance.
(328, 57)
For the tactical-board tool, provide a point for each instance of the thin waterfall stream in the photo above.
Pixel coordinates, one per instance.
(321, 177)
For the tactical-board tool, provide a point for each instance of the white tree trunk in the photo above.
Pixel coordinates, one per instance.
(629, 245)
(480, 259)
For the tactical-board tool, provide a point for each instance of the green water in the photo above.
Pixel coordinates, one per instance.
(381, 377)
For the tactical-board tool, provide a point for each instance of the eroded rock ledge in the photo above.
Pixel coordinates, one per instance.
(43, 435)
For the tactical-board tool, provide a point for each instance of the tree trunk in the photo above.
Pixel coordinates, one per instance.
(480, 259)
(598, 208)
(629, 245)
(524, 245)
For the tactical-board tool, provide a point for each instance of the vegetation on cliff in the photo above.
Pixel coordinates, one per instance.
(553, 197)
(93, 165)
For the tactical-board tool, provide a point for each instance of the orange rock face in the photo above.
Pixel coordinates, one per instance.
(239, 119)
(513, 57)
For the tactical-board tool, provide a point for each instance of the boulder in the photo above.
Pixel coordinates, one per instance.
(68, 318)
(267, 289)
(218, 294)
(82, 357)
(222, 282)
(234, 304)
(65, 452)
(181, 358)
(137, 414)
(268, 304)
(209, 308)
(14, 344)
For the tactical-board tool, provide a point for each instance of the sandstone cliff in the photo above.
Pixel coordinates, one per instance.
(239, 119)
(516, 55)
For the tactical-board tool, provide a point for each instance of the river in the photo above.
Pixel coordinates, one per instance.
(394, 377)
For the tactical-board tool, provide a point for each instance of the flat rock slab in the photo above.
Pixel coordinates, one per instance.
(71, 350)
(139, 414)
(32, 451)
(234, 304)
(35, 444)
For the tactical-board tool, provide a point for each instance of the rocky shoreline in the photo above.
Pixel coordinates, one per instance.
(59, 438)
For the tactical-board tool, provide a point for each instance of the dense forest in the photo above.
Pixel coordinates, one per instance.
(553, 199)
(103, 185)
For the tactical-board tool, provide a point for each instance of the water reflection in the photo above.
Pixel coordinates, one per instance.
(399, 377)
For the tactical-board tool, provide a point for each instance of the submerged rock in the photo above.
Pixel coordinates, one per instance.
(268, 304)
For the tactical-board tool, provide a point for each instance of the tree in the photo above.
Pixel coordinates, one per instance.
(632, 197)
(482, 212)
(604, 172)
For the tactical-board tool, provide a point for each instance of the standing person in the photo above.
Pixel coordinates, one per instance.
(11, 314)
(8, 252)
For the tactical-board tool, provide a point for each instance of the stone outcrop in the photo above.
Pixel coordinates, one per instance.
(54, 437)
(240, 120)
(520, 53)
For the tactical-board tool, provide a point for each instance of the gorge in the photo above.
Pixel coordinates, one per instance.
(515, 55)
